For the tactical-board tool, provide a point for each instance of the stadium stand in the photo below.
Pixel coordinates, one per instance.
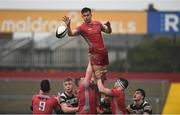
(7, 46)
(51, 42)
(54, 53)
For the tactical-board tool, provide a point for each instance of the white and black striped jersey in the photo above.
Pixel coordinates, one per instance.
(144, 107)
(70, 100)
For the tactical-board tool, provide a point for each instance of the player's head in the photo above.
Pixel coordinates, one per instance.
(122, 83)
(68, 85)
(86, 14)
(139, 94)
(45, 85)
(85, 9)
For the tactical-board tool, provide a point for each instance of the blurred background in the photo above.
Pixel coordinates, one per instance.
(144, 48)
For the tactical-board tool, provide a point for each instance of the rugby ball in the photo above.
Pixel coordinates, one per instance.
(61, 31)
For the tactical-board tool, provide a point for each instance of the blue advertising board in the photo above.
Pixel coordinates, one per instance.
(163, 22)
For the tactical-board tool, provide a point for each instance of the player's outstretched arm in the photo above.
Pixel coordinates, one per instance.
(67, 21)
(101, 87)
(107, 27)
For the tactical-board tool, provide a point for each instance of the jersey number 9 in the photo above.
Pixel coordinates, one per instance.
(42, 105)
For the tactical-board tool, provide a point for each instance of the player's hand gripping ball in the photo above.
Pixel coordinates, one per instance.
(61, 31)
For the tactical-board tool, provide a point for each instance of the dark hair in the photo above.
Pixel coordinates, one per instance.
(77, 81)
(45, 85)
(123, 82)
(85, 9)
(68, 79)
(142, 92)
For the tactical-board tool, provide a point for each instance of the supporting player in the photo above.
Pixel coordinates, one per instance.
(117, 94)
(86, 94)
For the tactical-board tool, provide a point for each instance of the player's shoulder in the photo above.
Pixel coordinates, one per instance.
(146, 103)
(81, 25)
(117, 92)
(96, 22)
(35, 95)
(52, 99)
(132, 105)
(63, 95)
(51, 96)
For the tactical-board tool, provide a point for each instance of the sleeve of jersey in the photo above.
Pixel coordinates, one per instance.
(116, 92)
(62, 99)
(79, 30)
(130, 106)
(31, 107)
(100, 25)
(148, 108)
(33, 97)
(55, 102)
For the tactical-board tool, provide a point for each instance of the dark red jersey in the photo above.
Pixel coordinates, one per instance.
(87, 99)
(118, 102)
(43, 104)
(92, 34)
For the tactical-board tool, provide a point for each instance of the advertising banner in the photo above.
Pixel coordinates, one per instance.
(48, 21)
(164, 22)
